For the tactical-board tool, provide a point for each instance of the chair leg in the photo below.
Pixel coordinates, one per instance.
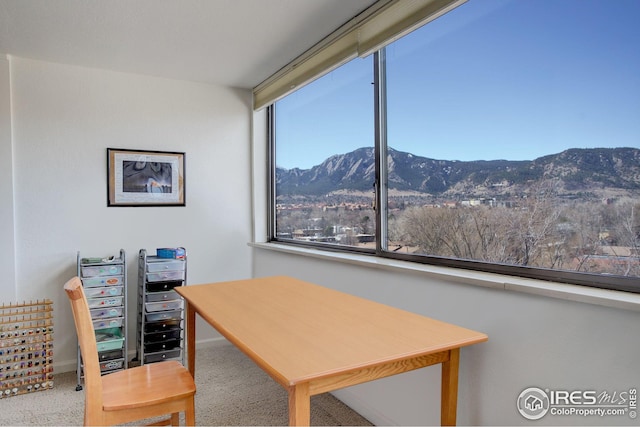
(190, 413)
(175, 419)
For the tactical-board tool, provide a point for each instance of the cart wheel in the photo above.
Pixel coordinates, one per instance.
(78, 387)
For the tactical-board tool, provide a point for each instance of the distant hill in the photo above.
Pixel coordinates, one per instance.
(576, 170)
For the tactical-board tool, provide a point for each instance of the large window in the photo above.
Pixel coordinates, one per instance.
(502, 136)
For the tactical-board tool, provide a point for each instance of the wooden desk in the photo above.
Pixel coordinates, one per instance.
(312, 339)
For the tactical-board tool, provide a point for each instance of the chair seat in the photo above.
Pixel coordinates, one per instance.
(145, 385)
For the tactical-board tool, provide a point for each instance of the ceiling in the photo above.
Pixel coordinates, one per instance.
(236, 43)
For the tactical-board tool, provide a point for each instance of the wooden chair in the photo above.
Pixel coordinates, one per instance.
(133, 394)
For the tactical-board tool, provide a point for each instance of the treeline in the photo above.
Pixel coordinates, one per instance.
(542, 230)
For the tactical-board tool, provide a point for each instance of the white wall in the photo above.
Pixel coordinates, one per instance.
(534, 341)
(7, 242)
(64, 118)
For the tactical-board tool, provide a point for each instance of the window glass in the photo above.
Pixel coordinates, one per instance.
(513, 136)
(324, 159)
(511, 144)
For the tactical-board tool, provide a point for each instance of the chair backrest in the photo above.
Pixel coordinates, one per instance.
(88, 345)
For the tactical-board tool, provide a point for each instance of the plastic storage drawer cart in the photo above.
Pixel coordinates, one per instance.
(160, 332)
(105, 284)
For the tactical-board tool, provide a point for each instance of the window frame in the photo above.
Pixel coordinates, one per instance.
(593, 280)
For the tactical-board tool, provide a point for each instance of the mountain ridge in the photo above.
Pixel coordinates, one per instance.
(573, 170)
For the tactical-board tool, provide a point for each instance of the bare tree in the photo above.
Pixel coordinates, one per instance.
(518, 236)
(528, 229)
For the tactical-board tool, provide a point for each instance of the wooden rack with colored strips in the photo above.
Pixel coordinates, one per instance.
(26, 347)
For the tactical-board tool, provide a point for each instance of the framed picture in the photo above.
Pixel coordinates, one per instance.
(145, 178)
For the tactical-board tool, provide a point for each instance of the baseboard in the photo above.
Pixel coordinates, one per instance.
(64, 366)
(352, 400)
(211, 342)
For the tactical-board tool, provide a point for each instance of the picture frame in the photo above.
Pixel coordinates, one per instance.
(145, 178)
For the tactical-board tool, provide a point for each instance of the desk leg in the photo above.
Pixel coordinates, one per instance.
(449, 404)
(299, 405)
(191, 338)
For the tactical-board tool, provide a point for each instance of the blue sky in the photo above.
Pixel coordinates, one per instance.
(493, 79)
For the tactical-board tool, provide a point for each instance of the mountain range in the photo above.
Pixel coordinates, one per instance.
(575, 171)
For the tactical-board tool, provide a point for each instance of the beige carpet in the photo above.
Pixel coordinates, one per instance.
(232, 391)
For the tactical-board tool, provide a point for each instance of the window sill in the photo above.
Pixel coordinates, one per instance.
(584, 294)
